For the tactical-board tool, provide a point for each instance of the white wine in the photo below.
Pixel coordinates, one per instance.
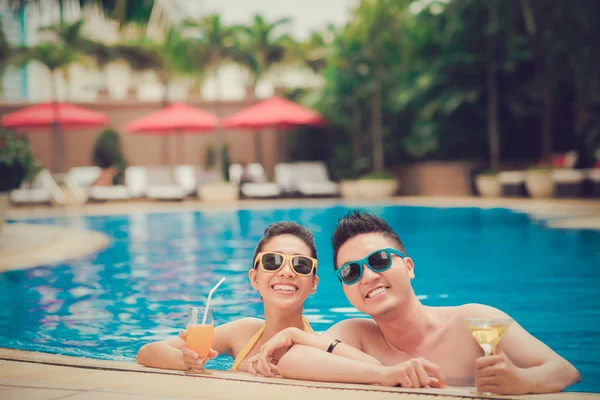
(488, 335)
(488, 332)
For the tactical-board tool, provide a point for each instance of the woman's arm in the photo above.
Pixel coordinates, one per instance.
(169, 353)
(346, 332)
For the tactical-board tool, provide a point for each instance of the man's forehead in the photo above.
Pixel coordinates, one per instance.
(361, 245)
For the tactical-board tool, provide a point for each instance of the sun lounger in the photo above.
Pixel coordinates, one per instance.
(313, 180)
(513, 183)
(285, 178)
(136, 181)
(568, 182)
(259, 187)
(162, 185)
(185, 177)
(80, 181)
(43, 189)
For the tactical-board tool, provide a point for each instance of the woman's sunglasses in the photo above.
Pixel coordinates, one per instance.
(271, 261)
(378, 261)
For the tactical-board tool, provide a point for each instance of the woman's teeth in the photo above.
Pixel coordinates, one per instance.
(285, 288)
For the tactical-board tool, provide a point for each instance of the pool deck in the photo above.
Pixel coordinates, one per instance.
(573, 210)
(41, 376)
(27, 375)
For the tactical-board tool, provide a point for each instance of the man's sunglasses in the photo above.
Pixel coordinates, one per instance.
(271, 261)
(378, 261)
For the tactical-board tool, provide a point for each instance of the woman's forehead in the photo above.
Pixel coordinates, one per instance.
(288, 244)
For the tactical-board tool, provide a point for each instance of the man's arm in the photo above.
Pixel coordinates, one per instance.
(536, 367)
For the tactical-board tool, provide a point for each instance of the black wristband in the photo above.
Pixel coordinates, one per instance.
(332, 345)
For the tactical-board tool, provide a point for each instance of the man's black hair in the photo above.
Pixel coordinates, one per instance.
(358, 222)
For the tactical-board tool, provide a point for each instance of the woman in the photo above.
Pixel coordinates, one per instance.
(285, 274)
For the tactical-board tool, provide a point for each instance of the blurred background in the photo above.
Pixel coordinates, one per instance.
(429, 92)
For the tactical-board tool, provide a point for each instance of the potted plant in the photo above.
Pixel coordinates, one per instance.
(539, 182)
(17, 163)
(488, 184)
(107, 154)
(377, 184)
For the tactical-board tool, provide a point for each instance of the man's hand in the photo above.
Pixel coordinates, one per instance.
(190, 357)
(415, 373)
(497, 374)
(265, 361)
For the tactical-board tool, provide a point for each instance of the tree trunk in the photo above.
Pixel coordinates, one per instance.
(492, 89)
(258, 156)
(59, 154)
(219, 132)
(356, 137)
(376, 121)
(543, 81)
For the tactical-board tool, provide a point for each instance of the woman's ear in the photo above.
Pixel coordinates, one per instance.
(253, 276)
(315, 283)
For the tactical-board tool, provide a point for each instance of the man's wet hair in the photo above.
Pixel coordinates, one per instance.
(358, 222)
(287, 228)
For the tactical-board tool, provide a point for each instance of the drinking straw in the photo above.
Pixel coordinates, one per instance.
(208, 301)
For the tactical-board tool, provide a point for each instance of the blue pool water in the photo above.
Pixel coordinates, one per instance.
(107, 305)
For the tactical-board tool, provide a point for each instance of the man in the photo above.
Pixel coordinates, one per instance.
(417, 346)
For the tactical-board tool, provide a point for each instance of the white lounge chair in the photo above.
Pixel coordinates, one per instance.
(260, 187)
(43, 189)
(513, 183)
(313, 179)
(286, 179)
(185, 177)
(80, 182)
(568, 182)
(136, 180)
(162, 185)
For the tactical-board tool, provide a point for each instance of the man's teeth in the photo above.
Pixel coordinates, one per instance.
(377, 291)
(287, 288)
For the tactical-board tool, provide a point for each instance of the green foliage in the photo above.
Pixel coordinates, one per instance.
(226, 161)
(384, 175)
(108, 153)
(16, 160)
(210, 157)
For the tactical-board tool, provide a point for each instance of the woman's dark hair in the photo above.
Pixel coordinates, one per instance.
(287, 228)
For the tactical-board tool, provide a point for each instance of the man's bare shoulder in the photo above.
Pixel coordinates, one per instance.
(354, 327)
(474, 310)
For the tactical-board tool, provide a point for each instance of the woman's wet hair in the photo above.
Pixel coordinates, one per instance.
(287, 228)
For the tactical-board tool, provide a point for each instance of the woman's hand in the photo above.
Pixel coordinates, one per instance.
(265, 361)
(190, 357)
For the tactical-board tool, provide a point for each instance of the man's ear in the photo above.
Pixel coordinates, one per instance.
(315, 283)
(253, 276)
(410, 267)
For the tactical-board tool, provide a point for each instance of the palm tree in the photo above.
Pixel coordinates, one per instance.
(212, 44)
(57, 57)
(122, 11)
(4, 53)
(260, 48)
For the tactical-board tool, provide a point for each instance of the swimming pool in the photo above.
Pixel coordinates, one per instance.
(107, 305)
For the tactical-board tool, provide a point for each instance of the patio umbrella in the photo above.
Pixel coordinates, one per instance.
(275, 112)
(176, 119)
(57, 116)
